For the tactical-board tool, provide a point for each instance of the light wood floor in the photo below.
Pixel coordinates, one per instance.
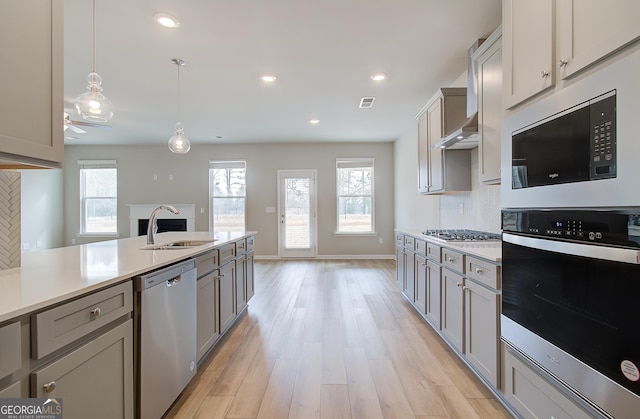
(332, 339)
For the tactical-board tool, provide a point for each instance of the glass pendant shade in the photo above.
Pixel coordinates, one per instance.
(92, 105)
(179, 144)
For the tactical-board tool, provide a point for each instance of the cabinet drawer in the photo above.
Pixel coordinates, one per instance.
(241, 246)
(399, 239)
(207, 262)
(409, 242)
(453, 260)
(59, 326)
(10, 349)
(434, 252)
(227, 253)
(250, 244)
(13, 391)
(421, 247)
(483, 271)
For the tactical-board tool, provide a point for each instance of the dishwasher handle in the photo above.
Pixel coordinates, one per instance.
(171, 274)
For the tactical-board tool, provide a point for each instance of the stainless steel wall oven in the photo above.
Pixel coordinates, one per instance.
(570, 300)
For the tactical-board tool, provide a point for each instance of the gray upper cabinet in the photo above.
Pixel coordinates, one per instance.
(488, 60)
(441, 170)
(31, 109)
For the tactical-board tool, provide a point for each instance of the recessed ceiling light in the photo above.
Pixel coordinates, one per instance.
(314, 121)
(378, 76)
(167, 20)
(269, 78)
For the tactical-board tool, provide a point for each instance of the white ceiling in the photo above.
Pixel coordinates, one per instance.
(322, 51)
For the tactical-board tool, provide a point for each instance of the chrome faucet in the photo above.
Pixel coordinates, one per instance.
(152, 229)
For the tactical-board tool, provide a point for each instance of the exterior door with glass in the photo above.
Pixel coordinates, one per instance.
(297, 213)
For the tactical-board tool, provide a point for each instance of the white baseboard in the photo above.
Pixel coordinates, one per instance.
(364, 257)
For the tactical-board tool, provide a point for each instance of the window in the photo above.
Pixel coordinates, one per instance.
(355, 195)
(98, 197)
(227, 192)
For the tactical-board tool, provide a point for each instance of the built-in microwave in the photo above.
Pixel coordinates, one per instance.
(575, 145)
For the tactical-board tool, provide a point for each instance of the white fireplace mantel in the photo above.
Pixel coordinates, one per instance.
(143, 211)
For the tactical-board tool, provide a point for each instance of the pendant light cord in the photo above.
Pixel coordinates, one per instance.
(179, 108)
(94, 36)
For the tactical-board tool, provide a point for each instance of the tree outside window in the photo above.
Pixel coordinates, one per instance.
(355, 195)
(98, 197)
(227, 191)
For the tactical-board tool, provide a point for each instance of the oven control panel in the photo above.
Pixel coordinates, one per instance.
(617, 228)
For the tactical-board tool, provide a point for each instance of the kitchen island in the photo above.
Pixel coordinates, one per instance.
(72, 314)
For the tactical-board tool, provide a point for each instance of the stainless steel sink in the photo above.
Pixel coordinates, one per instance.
(179, 244)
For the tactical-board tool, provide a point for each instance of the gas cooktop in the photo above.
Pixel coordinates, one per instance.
(462, 235)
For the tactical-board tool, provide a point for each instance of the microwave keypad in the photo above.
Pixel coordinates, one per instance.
(602, 144)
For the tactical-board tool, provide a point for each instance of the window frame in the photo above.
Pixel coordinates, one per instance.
(226, 164)
(83, 198)
(359, 162)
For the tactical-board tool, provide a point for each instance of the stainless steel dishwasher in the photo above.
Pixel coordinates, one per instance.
(166, 336)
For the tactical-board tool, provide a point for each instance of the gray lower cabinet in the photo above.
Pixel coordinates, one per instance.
(482, 314)
(240, 278)
(532, 395)
(251, 286)
(227, 310)
(420, 301)
(453, 309)
(94, 380)
(208, 329)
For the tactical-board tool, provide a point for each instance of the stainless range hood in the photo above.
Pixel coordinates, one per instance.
(466, 135)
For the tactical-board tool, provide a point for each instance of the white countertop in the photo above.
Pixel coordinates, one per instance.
(50, 276)
(490, 250)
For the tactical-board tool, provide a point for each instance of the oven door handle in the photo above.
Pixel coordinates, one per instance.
(614, 254)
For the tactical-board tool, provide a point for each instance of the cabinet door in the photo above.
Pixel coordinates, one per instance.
(409, 275)
(490, 112)
(482, 313)
(533, 396)
(95, 380)
(240, 278)
(250, 284)
(453, 309)
(421, 283)
(227, 303)
(434, 294)
(400, 267)
(207, 313)
(528, 66)
(31, 109)
(591, 29)
(423, 155)
(434, 127)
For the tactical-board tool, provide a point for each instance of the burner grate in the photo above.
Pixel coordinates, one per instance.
(461, 235)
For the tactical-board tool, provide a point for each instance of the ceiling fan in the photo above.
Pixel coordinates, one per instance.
(75, 125)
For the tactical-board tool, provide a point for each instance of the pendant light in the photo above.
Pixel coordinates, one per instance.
(179, 144)
(92, 105)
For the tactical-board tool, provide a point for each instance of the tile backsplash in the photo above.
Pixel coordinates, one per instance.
(478, 209)
(9, 219)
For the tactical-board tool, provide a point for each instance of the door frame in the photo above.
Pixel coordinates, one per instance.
(312, 253)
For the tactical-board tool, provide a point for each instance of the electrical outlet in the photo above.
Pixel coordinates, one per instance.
(201, 210)
(380, 241)
(461, 208)
(26, 246)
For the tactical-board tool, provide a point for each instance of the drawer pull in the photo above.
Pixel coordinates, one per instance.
(48, 388)
(478, 271)
(544, 74)
(464, 289)
(424, 264)
(95, 313)
(458, 284)
(450, 260)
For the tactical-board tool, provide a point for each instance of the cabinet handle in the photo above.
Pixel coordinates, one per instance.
(48, 388)
(95, 313)
(544, 74)
(562, 62)
(478, 271)
(464, 289)
(458, 284)
(424, 264)
(450, 260)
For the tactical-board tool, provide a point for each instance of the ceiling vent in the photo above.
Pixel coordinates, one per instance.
(366, 102)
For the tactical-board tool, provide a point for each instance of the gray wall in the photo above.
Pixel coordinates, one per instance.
(41, 209)
(137, 166)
